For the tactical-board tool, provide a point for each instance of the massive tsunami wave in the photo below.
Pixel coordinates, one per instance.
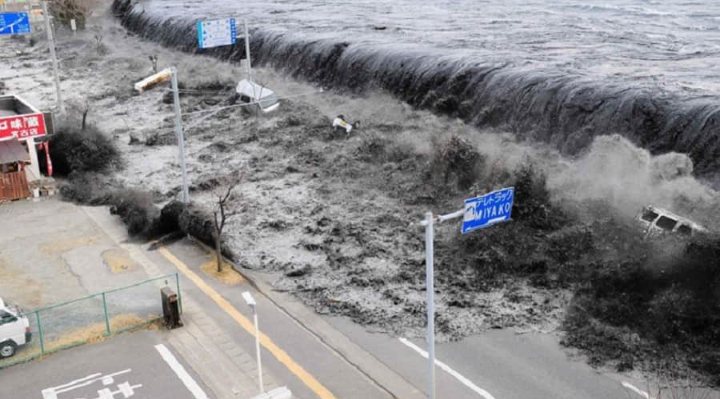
(556, 71)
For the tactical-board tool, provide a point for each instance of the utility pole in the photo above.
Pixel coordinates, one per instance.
(51, 44)
(247, 51)
(180, 135)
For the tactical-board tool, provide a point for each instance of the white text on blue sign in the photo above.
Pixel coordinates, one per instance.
(489, 209)
(14, 23)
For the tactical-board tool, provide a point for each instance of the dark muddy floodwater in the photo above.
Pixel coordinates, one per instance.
(558, 71)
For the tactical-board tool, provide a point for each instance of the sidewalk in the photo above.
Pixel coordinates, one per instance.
(300, 350)
(222, 365)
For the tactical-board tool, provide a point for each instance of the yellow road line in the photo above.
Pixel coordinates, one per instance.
(310, 381)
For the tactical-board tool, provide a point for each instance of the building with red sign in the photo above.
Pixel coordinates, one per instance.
(22, 128)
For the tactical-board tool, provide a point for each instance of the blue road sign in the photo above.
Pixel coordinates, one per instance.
(218, 32)
(14, 23)
(489, 209)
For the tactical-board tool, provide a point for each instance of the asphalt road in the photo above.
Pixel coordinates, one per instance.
(128, 366)
(316, 359)
(503, 364)
(495, 365)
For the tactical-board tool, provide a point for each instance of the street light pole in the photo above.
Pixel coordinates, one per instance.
(51, 44)
(253, 305)
(180, 134)
(257, 349)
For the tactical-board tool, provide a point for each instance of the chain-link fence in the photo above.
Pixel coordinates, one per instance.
(83, 320)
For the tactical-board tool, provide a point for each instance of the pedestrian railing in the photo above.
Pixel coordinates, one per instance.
(92, 318)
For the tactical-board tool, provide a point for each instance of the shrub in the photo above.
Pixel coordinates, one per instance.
(76, 150)
(192, 220)
(532, 200)
(87, 188)
(137, 211)
(458, 159)
(372, 147)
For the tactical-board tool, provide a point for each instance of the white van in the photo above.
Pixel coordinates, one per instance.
(14, 329)
(657, 221)
(251, 92)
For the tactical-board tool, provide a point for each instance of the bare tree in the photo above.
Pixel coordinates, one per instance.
(67, 10)
(154, 60)
(83, 107)
(224, 210)
(85, 110)
(99, 46)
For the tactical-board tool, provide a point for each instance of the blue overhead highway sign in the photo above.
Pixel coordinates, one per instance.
(14, 23)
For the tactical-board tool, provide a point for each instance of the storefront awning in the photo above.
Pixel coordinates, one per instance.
(12, 151)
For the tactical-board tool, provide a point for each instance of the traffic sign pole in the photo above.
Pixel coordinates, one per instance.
(180, 135)
(51, 44)
(429, 224)
(430, 287)
(478, 213)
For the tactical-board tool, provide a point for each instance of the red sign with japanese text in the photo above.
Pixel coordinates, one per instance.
(22, 126)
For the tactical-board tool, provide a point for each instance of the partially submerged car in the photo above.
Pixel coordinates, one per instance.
(657, 221)
(253, 93)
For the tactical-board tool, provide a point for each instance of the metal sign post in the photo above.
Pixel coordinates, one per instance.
(180, 135)
(430, 288)
(51, 44)
(479, 212)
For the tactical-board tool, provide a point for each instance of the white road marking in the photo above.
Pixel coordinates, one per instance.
(632, 387)
(52, 393)
(485, 394)
(178, 368)
(78, 381)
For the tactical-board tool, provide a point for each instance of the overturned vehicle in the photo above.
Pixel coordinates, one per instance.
(261, 97)
(657, 221)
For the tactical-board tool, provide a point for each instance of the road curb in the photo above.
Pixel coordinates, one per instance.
(365, 363)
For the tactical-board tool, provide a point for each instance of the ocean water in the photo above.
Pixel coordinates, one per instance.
(557, 71)
(670, 44)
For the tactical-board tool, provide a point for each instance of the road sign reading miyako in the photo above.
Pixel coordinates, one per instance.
(489, 209)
